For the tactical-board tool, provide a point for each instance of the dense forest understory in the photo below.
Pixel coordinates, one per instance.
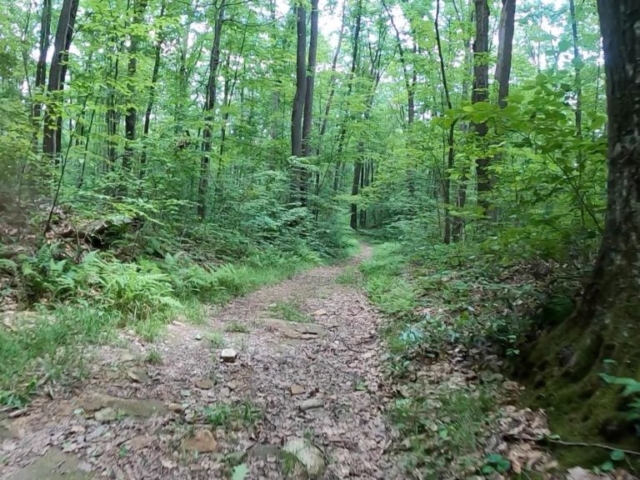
(319, 239)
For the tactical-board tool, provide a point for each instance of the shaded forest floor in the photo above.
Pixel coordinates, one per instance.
(294, 380)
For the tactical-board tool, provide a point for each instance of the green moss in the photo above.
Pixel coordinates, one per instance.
(564, 380)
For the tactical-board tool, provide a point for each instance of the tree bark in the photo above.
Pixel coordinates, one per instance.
(577, 65)
(301, 82)
(354, 65)
(152, 93)
(209, 111)
(446, 186)
(131, 117)
(481, 94)
(53, 120)
(506, 31)
(41, 68)
(307, 121)
(606, 323)
(332, 82)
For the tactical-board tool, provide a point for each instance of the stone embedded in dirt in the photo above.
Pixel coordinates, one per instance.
(198, 336)
(140, 442)
(106, 415)
(202, 442)
(130, 406)
(296, 389)
(204, 384)
(127, 358)
(168, 464)
(228, 355)
(232, 385)
(138, 375)
(311, 404)
(308, 455)
(54, 465)
(511, 386)
(97, 433)
(85, 467)
(320, 313)
(578, 473)
(489, 377)
(185, 393)
(175, 407)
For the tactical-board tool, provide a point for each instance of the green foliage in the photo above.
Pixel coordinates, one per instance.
(290, 312)
(237, 415)
(442, 431)
(216, 340)
(384, 284)
(236, 327)
(631, 389)
(495, 463)
(47, 345)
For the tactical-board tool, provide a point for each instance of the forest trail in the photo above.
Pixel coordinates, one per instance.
(307, 379)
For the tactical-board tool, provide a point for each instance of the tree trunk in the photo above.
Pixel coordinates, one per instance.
(343, 130)
(53, 120)
(307, 122)
(505, 50)
(606, 324)
(332, 82)
(131, 117)
(481, 94)
(301, 82)
(152, 93)
(214, 63)
(577, 65)
(41, 68)
(446, 187)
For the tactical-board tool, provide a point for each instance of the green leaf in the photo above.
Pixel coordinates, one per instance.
(240, 472)
(607, 466)
(617, 455)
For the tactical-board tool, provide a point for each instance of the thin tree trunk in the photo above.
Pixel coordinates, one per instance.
(505, 50)
(446, 190)
(332, 82)
(307, 120)
(214, 63)
(131, 117)
(53, 120)
(577, 64)
(152, 94)
(354, 65)
(41, 68)
(301, 82)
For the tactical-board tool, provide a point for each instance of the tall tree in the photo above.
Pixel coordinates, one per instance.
(209, 111)
(506, 31)
(301, 81)
(606, 323)
(481, 94)
(57, 74)
(41, 67)
(131, 118)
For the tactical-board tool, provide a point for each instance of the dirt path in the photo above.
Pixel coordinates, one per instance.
(306, 379)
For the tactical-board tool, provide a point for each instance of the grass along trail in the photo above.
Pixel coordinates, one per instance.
(285, 382)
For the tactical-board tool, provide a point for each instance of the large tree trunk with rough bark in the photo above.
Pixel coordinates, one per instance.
(481, 94)
(603, 332)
